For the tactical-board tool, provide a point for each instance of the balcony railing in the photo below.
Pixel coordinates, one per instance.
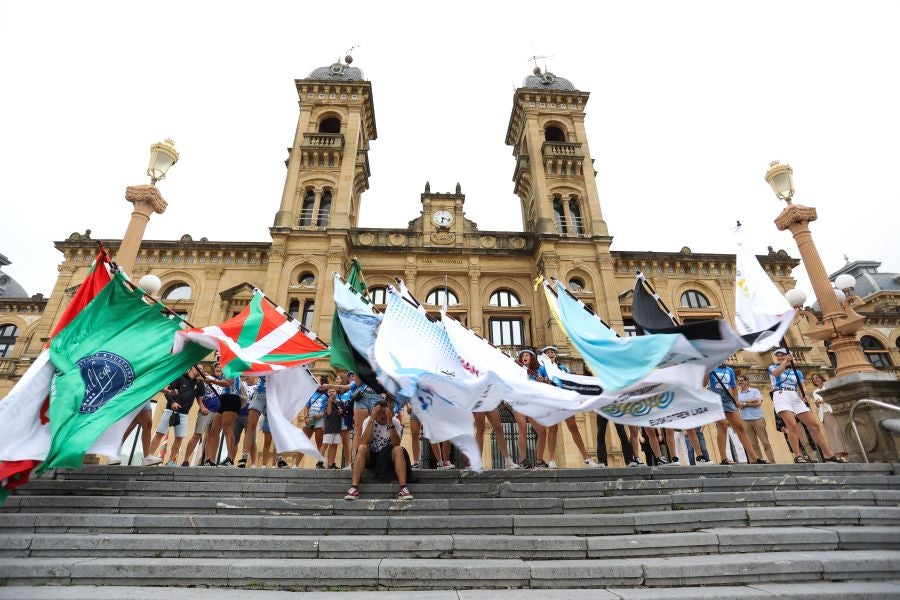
(308, 219)
(575, 227)
(562, 150)
(323, 140)
(8, 366)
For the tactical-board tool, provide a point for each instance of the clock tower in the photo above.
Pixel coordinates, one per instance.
(443, 221)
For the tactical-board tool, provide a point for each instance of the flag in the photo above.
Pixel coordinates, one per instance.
(547, 404)
(669, 397)
(341, 353)
(762, 313)
(713, 339)
(24, 429)
(109, 360)
(260, 340)
(358, 324)
(616, 362)
(286, 392)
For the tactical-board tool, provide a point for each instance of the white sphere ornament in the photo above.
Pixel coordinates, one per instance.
(796, 297)
(845, 282)
(841, 296)
(150, 284)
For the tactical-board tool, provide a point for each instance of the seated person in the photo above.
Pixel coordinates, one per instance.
(380, 450)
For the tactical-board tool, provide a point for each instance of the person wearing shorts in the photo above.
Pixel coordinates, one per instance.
(380, 450)
(212, 404)
(332, 427)
(364, 399)
(790, 406)
(257, 408)
(225, 420)
(180, 396)
(723, 381)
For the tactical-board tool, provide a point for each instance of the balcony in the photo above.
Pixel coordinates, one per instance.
(323, 140)
(562, 158)
(562, 150)
(322, 149)
(575, 227)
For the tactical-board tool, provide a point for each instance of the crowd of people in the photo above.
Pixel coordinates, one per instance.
(350, 416)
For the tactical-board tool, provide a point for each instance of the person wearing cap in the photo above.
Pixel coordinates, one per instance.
(550, 352)
(791, 407)
(723, 381)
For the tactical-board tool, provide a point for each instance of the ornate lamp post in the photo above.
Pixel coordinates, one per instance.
(146, 200)
(839, 322)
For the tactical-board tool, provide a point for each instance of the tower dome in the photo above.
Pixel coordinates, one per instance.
(547, 81)
(338, 71)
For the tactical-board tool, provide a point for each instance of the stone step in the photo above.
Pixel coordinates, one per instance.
(404, 523)
(539, 505)
(392, 573)
(704, 541)
(466, 488)
(849, 590)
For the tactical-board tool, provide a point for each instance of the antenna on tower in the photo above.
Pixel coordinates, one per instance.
(535, 57)
(348, 58)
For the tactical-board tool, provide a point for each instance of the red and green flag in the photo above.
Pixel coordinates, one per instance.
(260, 340)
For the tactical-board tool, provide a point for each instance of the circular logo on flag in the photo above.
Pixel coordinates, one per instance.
(105, 375)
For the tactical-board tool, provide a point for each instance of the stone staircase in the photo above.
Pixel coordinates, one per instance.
(812, 531)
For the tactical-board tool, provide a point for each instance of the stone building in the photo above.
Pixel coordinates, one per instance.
(487, 275)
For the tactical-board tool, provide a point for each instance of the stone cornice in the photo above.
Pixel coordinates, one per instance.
(22, 305)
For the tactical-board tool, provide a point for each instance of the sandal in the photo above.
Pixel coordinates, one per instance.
(800, 460)
(726, 461)
(836, 459)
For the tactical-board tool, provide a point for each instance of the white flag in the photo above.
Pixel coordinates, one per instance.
(286, 393)
(762, 313)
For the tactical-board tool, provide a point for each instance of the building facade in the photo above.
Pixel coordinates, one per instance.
(486, 277)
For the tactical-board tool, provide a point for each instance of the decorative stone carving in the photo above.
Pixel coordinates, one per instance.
(517, 243)
(795, 213)
(488, 241)
(366, 238)
(474, 277)
(397, 239)
(440, 237)
(146, 194)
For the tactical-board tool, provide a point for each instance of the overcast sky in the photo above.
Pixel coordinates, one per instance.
(689, 103)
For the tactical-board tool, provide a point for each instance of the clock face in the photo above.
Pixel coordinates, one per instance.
(442, 218)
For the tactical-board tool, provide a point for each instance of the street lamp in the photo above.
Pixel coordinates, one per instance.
(146, 200)
(839, 322)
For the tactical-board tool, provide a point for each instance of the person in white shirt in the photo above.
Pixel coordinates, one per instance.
(379, 450)
(750, 402)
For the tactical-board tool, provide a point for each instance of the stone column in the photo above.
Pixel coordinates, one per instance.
(540, 193)
(146, 200)
(475, 312)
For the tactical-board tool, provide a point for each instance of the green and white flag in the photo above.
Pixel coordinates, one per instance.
(109, 360)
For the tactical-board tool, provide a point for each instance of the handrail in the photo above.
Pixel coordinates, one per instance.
(853, 421)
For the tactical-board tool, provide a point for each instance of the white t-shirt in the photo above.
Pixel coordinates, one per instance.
(381, 435)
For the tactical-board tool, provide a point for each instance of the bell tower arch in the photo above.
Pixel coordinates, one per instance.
(554, 175)
(328, 165)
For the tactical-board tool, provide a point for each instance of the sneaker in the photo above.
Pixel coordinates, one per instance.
(282, 464)
(347, 468)
(661, 462)
(331, 466)
(114, 462)
(242, 463)
(447, 465)
(185, 464)
(415, 465)
(636, 462)
(524, 464)
(511, 464)
(541, 465)
(171, 463)
(701, 460)
(551, 464)
(762, 461)
(320, 465)
(208, 463)
(674, 461)
(588, 462)
(226, 462)
(404, 494)
(352, 493)
(150, 461)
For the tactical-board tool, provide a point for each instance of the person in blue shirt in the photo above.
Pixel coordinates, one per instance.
(724, 382)
(791, 407)
(550, 352)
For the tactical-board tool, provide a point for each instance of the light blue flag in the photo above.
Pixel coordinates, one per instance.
(616, 362)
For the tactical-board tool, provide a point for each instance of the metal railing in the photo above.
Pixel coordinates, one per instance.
(574, 227)
(853, 421)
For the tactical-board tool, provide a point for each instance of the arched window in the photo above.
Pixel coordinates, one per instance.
(875, 351)
(554, 134)
(294, 308)
(436, 297)
(307, 280)
(576, 284)
(694, 299)
(324, 209)
(177, 291)
(330, 125)
(575, 213)
(559, 216)
(306, 213)
(378, 295)
(504, 298)
(8, 333)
